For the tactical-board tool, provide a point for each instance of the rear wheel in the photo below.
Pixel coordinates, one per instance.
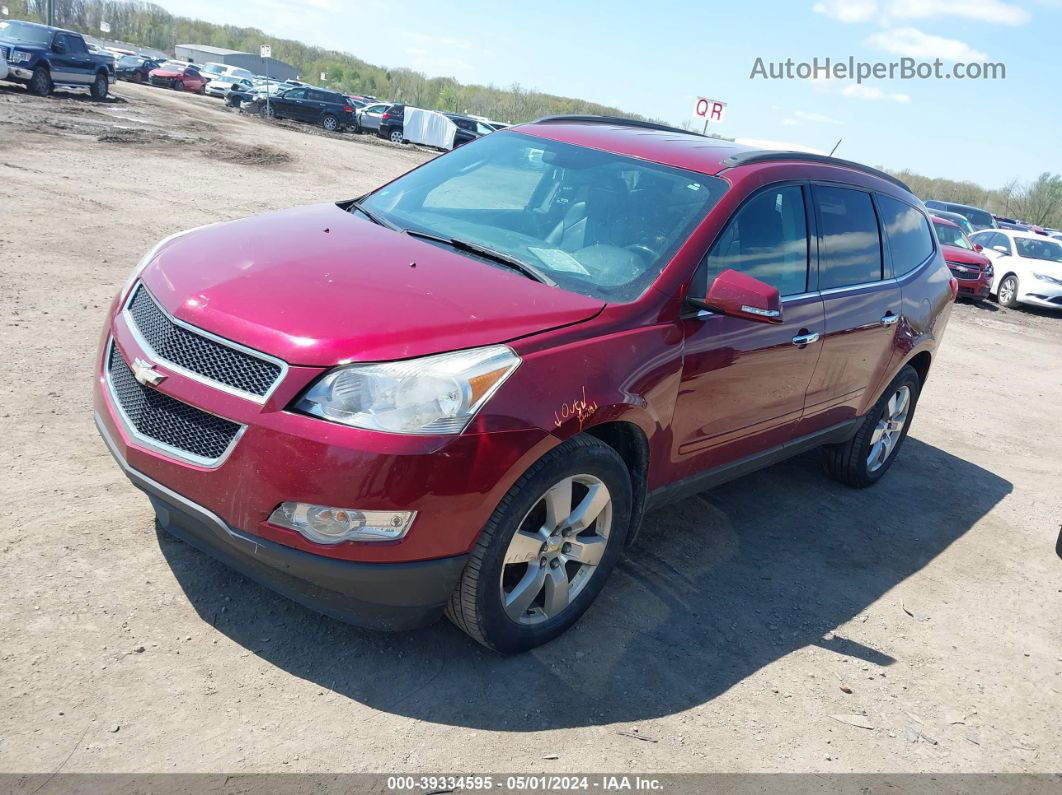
(396, 136)
(867, 456)
(99, 87)
(1008, 291)
(330, 122)
(41, 82)
(547, 550)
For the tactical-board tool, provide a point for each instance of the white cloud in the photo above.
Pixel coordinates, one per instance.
(789, 122)
(847, 10)
(818, 118)
(913, 43)
(993, 11)
(859, 91)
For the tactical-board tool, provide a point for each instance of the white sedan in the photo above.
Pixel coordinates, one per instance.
(1028, 267)
(221, 86)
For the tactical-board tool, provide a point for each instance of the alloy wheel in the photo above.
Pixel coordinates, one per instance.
(887, 433)
(1007, 290)
(556, 549)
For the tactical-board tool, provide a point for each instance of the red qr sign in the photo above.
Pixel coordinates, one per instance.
(709, 109)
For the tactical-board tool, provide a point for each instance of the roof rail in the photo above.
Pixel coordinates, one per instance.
(766, 156)
(618, 120)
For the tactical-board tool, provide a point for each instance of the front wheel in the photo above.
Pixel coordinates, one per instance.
(99, 88)
(1008, 291)
(41, 82)
(177, 85)
(547, 550)
(867, 456)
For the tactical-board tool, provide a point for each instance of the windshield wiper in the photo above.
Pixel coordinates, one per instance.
(530, 271)
(376, 219)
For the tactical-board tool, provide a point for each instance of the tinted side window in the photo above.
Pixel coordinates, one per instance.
(767, 239)
(908, 232)
(76, 44)
(851, 247)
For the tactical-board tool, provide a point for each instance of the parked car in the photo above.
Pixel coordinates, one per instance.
(179, 77)
(212, 70)
(955, 218)
(979, 219)
(3, 63)
(463, 390)
(468, 129)
(1028, 267)
(135, 68)
(329, 109)
(221, 86)
(972, 269)
(42, 57)
(392, 123)
(368, 118)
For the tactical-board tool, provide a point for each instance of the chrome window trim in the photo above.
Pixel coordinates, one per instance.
(131, 323)
(155, 444)
(862, 286)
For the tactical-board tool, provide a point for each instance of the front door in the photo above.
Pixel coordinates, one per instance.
(70, 60)
(743, 382)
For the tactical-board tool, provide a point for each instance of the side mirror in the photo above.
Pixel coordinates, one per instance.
(1000, 249)
(978, 248)
(739, 295)
(58, 47)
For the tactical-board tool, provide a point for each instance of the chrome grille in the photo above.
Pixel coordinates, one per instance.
(5, 53)
(187, 431)
(201, 355)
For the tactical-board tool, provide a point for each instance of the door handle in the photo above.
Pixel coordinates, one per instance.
(800, 340)
(890, 319)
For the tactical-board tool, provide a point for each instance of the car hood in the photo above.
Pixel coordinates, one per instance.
(161, 72)
(318, 286)
(964, 255)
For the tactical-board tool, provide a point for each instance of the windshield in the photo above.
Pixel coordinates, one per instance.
(31, 34)
(596, 223)
(130, 60)
(978, 218)
(952, 236)
(1039, 249)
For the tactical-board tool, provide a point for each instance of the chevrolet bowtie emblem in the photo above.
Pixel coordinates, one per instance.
(146, 374)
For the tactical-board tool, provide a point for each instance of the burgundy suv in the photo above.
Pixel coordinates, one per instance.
(462, 391)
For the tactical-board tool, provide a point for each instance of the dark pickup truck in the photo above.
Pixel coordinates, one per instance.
(43, 57)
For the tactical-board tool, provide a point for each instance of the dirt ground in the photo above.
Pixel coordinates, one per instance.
(727, 641)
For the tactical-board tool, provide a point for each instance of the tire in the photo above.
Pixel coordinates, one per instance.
(177, 85)
(99, 87)
(40, 83)
(137, 78)
(395, 136)
(268, 112)
(850, 462)
(1008, 291)
(547, 550)
(330, 123)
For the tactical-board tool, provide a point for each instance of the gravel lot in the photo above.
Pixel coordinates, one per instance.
(728, 641)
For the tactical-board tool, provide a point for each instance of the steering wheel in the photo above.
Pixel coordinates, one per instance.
(641, 248)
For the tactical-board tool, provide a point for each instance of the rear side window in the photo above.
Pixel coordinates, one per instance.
(850, 251)
(767, 239)
(907, 230)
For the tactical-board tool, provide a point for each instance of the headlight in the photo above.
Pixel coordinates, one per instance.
(1049, 279)
(19, 57)
(431, 395)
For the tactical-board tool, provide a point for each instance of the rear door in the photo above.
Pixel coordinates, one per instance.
(861, 301)
(743, 382)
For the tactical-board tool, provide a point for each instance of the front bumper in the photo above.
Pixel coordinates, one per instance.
(389, 596)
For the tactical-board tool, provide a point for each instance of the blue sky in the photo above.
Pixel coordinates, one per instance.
(655, 58)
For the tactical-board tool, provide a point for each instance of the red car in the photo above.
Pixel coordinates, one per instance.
(179, 78)
(462, 391)
(972, 269)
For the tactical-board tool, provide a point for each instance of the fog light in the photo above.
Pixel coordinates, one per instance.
(324, 525)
